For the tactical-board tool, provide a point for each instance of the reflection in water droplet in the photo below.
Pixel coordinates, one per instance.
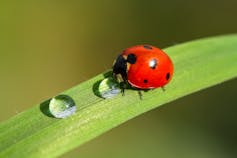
(62, 106)
(108, 88)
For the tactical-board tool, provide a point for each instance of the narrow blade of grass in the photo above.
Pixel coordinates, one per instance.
(33, 133)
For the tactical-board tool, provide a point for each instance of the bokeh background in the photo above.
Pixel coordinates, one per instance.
(49, 46)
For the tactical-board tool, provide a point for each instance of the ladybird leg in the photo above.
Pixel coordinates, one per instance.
(140, 94)
(123, 94)
(163, 88)
(122, 87)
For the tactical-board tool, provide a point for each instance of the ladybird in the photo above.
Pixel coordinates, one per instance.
(143, 67)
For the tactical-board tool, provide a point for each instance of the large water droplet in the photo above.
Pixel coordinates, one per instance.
(62, 106)
(109, 88)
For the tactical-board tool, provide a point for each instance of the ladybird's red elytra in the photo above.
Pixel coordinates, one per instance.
(143, 67)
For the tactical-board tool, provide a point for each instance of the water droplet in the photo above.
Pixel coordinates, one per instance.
(109, 88)
(62, 106)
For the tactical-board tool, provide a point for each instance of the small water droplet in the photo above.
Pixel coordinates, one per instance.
(109, 88)
(62, 106)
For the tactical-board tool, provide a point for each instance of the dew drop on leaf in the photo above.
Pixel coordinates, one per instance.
(109, 88)
(62, 106)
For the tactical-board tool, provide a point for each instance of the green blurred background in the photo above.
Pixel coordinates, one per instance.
(47, 47)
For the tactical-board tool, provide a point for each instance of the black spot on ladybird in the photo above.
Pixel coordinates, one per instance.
(167, 76)
(147, 47)
(145, 81)
(131, 58)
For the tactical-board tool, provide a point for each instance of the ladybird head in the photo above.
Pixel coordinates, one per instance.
(122, 65)
(120, 68)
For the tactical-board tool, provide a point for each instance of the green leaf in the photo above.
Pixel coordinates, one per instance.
(34, 133)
